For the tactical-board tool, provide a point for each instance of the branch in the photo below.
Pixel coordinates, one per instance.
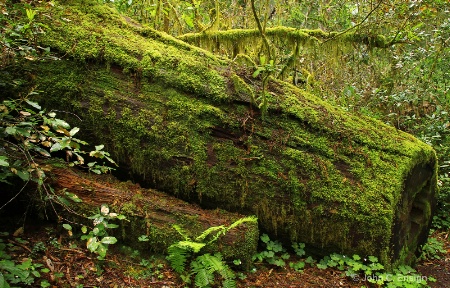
(261, 30)
(357, 25)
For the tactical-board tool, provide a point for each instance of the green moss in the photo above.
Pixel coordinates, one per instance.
(237, 41)
(165, 110)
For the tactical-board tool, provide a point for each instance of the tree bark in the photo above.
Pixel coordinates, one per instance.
(153, 214)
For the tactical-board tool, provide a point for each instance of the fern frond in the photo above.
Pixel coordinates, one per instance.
(182, 232)
(178, 257)
(210, 230)
(203, 277)
(229, 283)
(212, 263)
(194, 246)
(250, 219)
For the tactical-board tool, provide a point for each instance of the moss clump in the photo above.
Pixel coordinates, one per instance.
(310, 172)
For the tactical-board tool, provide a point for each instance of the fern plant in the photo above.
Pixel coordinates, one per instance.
(205, 267)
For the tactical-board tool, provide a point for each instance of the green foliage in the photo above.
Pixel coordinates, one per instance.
(19, 29)
(273, 254)
(97, 240)
(14, 274)
(433, 249)
(370, 270)
(205, 267)
(28, 132)
(265, 70)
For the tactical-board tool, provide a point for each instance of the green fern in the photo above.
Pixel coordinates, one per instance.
(182, 232)
(205, 267)
(250, 219)
(221, 231)
(178, 257)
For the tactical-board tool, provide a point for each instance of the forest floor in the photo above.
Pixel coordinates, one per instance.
(72, 265)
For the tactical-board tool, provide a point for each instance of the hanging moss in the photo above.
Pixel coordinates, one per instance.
(304, 37)
(179, 119)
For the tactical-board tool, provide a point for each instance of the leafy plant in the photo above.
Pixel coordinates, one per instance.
(13, 274)
(97, 240)
(273, 254)
(432, 249)
(370, 270)
(28, 132)
(265, 70)
(205, 266)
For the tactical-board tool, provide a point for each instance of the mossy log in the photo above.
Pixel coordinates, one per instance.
(181, 120)
(152, 213)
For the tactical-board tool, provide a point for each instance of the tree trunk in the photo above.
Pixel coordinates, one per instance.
(182, 121)
(153, 214)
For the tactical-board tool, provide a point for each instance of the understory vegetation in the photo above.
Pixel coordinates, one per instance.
(397, 72)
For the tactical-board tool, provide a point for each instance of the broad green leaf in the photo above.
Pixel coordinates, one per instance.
(109, 240)
(63, 200)
(55, 147)
(257, 72)
(34, 104)
(67, 227)
(10, 130)
(41, 151)
(92, 244)
(3, 161)
(262, 60)
(74, 131)
(73, 197)
(60, 123)
(24, 175)
(101, 250)
(84, 229)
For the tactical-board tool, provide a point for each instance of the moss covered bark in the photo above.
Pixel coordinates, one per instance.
(181, 120)
(153, 214)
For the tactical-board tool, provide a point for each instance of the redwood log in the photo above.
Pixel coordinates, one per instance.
(153, 213)
(181, 120)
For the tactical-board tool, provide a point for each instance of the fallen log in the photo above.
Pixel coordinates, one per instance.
(182, 121)
(153, 214)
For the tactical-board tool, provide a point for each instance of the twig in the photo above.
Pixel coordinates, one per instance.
(15, 196)
(18, 244)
